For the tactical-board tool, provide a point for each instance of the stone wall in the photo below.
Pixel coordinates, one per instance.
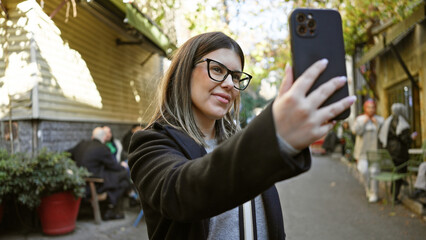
(54, 135)
(22, 136)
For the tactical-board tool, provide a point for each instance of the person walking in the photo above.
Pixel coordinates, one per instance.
(396, 137)
(366, 128)
(200, 176)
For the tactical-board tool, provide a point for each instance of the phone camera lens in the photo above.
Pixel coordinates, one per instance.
(312, 24)
(301, 29)
(300, 17)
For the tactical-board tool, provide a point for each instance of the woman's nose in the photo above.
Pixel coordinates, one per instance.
(228, 82)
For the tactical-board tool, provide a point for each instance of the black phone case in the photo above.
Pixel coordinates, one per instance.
(323, 39)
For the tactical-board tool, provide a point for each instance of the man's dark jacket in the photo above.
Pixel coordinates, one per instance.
(181, 186)
(97, 158)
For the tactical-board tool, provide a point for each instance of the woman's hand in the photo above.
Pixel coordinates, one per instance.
(297, 117)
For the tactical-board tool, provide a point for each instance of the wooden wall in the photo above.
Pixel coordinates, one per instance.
(81, 74)
(16, 69)
(390, 74)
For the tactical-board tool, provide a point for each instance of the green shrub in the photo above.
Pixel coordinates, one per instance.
(29, 179)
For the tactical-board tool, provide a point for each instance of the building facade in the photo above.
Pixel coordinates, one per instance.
(69, 66)
(395, 70)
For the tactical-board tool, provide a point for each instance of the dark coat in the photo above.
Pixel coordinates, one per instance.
(179, 195)
(398, 145)
(126, 144)
(97, 158)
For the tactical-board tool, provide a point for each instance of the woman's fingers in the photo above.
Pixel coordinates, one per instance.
(323, 92)
(307, 79)
(298, 118)
(326, 113)
(323, 129)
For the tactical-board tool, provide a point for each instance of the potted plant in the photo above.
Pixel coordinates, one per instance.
(60, 185)
(50, 182)
(4, 178)
(13, 169)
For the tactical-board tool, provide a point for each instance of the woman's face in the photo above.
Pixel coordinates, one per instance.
(212, 100)
(370, 109)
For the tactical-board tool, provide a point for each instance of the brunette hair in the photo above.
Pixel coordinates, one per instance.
(175, 105)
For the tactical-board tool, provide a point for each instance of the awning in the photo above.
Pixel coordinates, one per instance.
(144, 25)
(394, 35)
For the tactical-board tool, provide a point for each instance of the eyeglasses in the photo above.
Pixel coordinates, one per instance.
(219, 72)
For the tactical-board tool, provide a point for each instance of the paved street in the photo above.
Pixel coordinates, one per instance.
(325, 203)
(329, 203)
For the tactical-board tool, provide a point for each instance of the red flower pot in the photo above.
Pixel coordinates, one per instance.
(58, 213)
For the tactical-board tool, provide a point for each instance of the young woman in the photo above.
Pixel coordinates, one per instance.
(198, 174)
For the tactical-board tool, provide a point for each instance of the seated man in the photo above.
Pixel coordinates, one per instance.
(97, 158)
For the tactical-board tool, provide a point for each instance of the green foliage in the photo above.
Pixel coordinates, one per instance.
(262, 57)
(29, 179)
(156, 9)
(14, 170)
(250, 102)
(207, 18)
(359, 17)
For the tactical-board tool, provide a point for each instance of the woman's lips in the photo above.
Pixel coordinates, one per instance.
(223, 98)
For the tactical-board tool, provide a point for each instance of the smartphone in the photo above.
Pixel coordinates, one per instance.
(316, 34)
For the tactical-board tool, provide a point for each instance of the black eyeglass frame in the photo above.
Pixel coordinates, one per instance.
(208, 60)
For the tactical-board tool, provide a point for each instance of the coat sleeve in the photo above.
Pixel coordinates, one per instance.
(108, 160)
(405, 137)
(241, 168)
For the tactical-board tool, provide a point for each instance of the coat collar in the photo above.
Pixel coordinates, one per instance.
(190, 148)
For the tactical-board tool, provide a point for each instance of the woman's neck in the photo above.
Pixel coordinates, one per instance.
(207, 127)
(207, 130)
